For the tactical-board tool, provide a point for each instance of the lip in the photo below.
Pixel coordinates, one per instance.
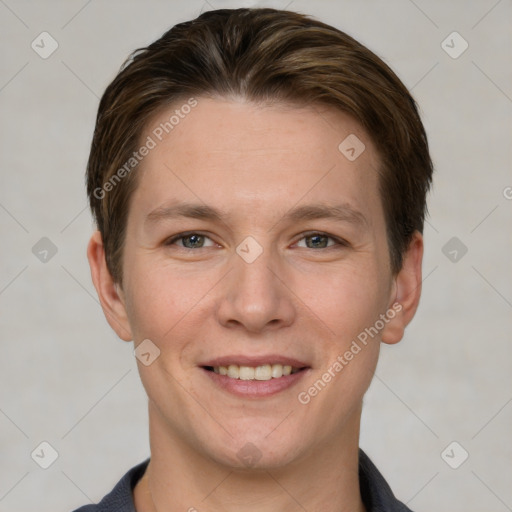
(255, 388)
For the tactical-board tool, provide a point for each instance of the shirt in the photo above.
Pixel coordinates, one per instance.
(375, 491)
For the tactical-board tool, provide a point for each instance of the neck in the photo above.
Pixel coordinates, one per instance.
(179, 478)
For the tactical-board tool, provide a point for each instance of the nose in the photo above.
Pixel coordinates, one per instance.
(256, 296)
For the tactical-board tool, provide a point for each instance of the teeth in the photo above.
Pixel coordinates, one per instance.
(233, 371)
(264, 372)
(246, 373)
(277, 370)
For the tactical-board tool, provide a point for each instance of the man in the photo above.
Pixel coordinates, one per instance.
(258, 179)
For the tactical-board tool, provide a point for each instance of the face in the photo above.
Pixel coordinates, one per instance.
(254, 245)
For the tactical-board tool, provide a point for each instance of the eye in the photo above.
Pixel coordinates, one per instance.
(320, 241)
(195, 240)
(191, 240)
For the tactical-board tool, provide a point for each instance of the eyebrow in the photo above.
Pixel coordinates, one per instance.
(340, 212)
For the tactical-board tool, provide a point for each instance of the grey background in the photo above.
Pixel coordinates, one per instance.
(66, 378)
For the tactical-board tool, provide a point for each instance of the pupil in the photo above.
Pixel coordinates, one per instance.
(195, 240)
(316, 240)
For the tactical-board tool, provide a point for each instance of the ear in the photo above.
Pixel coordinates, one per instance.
(406, 292)
(109, 292)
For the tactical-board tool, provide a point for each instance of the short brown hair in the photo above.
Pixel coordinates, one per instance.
(260, 55)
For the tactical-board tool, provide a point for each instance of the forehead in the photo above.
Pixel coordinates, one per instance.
(236, 153)
(237, 127)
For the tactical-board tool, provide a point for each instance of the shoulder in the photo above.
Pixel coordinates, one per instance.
(120, 499)
(376, 494)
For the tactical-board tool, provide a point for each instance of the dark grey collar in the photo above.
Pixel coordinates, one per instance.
(375, 491)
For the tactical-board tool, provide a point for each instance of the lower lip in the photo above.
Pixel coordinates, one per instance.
(256, 388)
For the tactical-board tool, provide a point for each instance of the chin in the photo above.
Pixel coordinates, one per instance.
(258, 452)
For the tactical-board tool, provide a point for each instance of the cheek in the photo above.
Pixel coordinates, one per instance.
(160, 293)
(155, 302)
(350, 306)
(347, 300)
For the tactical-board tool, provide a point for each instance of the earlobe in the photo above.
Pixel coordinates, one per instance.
(109, 293)
(406, 292)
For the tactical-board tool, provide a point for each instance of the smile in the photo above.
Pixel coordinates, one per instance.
(261, 372)
(255, 377)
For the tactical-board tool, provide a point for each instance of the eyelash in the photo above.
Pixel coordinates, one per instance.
(338, 241)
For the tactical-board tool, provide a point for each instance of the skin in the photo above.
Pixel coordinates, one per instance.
(256, 163)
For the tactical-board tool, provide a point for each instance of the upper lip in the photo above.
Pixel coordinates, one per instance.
(243, 360)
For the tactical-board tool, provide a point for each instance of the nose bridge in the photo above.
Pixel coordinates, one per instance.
(254, 296)
(254, 277)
